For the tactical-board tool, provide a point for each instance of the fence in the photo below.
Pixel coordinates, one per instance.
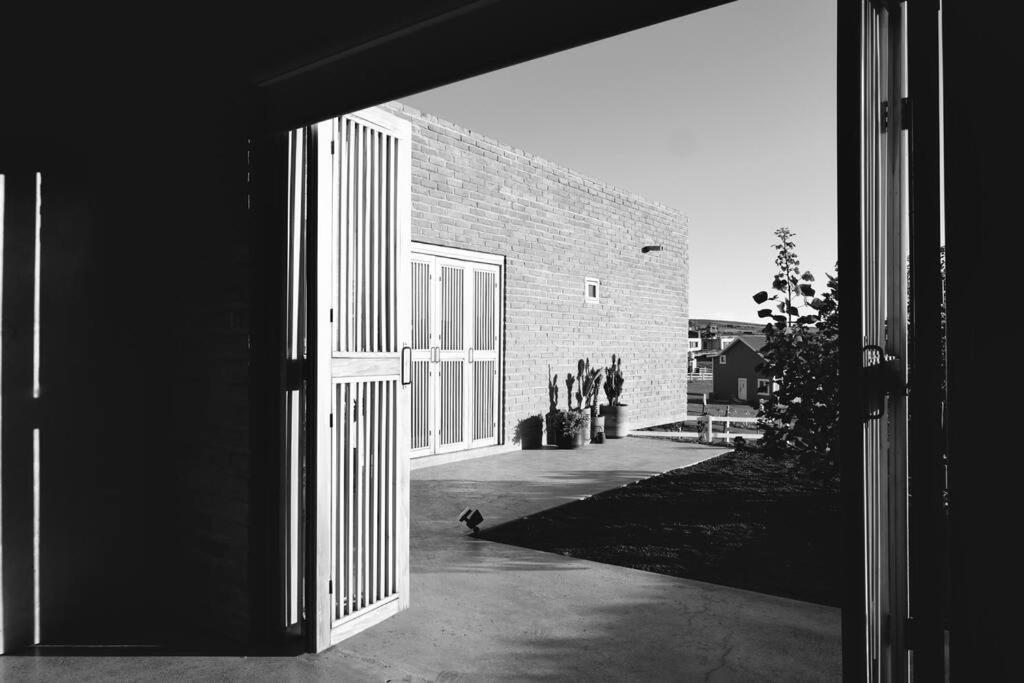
(707, 433)
(702, 376)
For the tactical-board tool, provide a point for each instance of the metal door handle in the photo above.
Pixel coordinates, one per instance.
(471, 354)
(406, 365)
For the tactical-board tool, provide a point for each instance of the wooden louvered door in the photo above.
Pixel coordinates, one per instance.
(362, 372)
(456, 331)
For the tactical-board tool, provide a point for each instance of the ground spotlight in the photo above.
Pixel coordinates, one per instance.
(472, 518)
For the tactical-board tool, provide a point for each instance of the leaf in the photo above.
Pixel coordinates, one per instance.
(760, 297)
(806, 319)
(806, 290)
(807, 277)
(764, 313)
(816, 304)
(792, 310)
(780, 319)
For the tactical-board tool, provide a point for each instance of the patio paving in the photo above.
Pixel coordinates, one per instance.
(487, 611)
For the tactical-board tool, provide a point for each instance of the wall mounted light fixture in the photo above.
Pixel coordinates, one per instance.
(646, 249)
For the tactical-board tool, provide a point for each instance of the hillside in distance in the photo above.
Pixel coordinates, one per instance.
(728, 328)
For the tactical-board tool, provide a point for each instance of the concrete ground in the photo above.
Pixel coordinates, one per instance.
(487, 611)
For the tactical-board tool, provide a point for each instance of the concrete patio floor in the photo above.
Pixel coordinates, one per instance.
(487, 611)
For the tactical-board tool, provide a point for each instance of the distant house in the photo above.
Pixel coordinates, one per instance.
(735, 371)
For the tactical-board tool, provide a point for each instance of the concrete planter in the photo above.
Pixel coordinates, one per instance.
(585, 434)
(616, 421)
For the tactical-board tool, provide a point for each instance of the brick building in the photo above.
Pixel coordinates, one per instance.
(575, 281)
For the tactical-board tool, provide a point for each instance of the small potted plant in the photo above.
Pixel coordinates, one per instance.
(570, 429)
(530, 432)
(616, 415)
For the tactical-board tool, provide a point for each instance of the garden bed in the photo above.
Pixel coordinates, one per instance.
(741, 519)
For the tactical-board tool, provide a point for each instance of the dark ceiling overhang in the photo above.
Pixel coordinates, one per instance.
(374, 60)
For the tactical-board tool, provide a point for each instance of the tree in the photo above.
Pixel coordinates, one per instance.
(801, 355)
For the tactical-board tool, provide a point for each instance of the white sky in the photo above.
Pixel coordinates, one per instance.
(727, 115)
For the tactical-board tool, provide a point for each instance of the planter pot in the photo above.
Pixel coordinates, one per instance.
(531, 433)
(585, 433)
(616, 421)
(571, 442)
(554, 425)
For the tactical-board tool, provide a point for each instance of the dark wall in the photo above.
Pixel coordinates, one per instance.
(983, 148)
(143, 412)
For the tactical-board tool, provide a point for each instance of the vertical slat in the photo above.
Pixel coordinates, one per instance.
(373, 228)
(350, 256)
(350, 489)
(376, 475)
(378, 262)
(393, 265)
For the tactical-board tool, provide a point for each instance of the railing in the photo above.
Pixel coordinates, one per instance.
(703, 376)
(707, 433)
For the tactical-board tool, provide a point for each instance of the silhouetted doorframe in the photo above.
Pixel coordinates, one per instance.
(311, 94)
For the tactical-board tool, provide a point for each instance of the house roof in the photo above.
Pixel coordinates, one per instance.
(754, 341)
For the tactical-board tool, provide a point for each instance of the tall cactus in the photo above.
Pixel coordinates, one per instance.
(552, 392)
(613, 381)
(569, 381)
(590, 383)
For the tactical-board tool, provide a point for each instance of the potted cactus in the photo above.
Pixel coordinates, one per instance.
(588, 380)
(616, 416)
(577, 381)
(551, 419)
(586, 397)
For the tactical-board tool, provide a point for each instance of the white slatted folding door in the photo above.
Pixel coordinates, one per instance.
(456, 302)
(363, 382)
(884, 333)
(423, 335)
(483, 356)
(452, 357)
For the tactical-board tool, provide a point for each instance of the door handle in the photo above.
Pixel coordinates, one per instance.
(406, 365)
(471, 354)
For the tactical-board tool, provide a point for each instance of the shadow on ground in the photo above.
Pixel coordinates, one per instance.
(739, 520)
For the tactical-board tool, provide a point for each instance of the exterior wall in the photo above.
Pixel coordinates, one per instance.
(742, 361)
(557, 227)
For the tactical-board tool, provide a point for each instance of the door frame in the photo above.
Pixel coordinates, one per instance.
(312, 92)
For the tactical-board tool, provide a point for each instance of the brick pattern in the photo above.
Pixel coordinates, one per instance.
(557, 227)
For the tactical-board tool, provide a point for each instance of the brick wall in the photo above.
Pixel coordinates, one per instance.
(557, 227)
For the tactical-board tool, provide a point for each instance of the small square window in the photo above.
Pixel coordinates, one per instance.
(762, 387)
(721, 360)
(592, 289)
